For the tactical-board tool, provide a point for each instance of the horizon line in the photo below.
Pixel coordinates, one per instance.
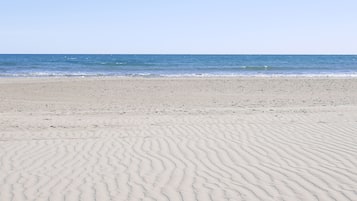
(193, 54)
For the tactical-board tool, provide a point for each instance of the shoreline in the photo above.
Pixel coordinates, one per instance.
(187, 77)
(154, 76)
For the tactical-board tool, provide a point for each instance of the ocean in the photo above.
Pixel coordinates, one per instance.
(48, 65)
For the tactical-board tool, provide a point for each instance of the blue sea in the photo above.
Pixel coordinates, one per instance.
(36, 65)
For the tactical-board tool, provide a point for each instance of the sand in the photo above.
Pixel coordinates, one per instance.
(178, 139)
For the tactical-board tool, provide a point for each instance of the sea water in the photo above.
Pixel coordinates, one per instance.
(36, 65)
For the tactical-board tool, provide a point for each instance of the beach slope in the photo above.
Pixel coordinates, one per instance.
(178, 139)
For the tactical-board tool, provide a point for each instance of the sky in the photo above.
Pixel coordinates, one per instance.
(178, 27)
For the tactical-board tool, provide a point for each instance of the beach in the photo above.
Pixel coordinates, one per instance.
(185, 138)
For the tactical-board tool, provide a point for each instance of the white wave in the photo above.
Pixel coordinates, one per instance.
(114, 74)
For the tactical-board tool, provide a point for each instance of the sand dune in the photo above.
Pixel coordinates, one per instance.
(178, 139)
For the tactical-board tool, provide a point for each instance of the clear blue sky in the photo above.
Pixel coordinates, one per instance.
(180, 26)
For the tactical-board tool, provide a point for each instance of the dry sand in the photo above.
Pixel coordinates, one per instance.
(178, 139)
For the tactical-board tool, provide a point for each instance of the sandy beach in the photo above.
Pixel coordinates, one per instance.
(178, 139)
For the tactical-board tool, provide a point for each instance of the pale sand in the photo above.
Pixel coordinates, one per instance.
(178, 139)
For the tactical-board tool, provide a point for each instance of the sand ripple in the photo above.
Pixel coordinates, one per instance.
(185, 157)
